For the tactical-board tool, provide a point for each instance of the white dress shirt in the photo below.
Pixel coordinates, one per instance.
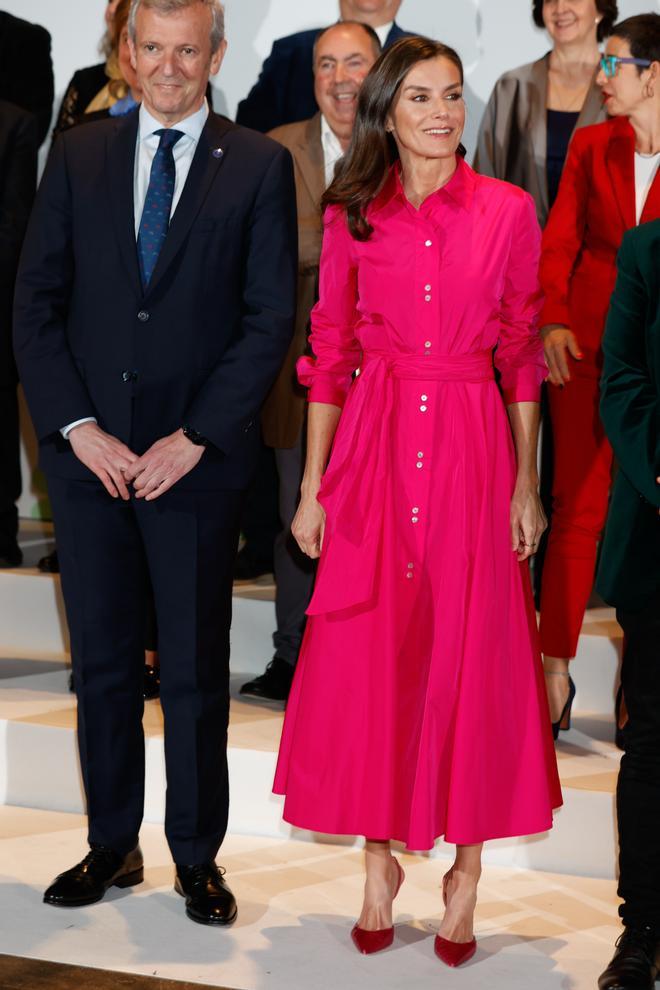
(145, 149)
(383, 32)
(332, 150)
(646, 167)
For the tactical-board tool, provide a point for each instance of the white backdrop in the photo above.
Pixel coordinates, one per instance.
(490, 35)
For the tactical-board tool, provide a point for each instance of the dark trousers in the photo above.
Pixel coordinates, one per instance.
(185, 543)
(10, 464)
(294, 571)
(638, 792)
(259, 521)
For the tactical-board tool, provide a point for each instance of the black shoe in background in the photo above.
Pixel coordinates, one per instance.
(88, 881)
(209, 901)
(11, 556)
(633, 966)
(249, 568)
(49, 564)
(274, 684)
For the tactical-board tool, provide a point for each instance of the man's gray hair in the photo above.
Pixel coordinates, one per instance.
(170, 6)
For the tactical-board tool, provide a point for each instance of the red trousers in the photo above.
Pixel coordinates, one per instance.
(580, 492)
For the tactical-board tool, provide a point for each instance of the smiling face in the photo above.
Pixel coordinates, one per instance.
(625, 91)
(571, 21)
(373, 12)
(344, 55)
(173, 61)
(428, 115)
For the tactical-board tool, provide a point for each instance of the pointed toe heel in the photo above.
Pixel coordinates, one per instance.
(454, 953)
(369, 942)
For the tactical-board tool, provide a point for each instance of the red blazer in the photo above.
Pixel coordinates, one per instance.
(594, 207)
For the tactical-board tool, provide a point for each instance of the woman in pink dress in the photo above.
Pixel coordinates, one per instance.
(418, 708)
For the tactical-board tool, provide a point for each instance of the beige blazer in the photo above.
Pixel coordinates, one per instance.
(284, 411)
(513, 133)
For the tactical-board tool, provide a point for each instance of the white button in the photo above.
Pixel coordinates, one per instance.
(420, 453)
(428, 243)
(411, 566)
(427, 344)
(415, 519)
(427, 298)
(415, 511)
(427, 288)
(409, 574)
(422, 408)
(423, 398)
(420, 464)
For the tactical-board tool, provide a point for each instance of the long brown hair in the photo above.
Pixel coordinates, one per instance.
(363, 171)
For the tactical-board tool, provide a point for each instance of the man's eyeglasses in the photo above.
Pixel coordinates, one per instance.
(610, 63)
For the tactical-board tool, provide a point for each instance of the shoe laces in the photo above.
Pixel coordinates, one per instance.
(97, 857)
(201, 872)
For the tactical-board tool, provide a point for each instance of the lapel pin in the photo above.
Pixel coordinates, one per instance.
(217, 152)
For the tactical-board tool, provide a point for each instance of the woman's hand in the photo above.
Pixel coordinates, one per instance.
(556, 342)
(308, 526)
(527, 520)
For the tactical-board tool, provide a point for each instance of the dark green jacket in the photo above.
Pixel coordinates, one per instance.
(629, 572)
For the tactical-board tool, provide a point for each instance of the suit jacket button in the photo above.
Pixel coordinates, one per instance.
(129, 376)
(143, 316)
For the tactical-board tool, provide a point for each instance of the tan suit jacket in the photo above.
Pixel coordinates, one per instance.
(284, 411)
(512, 140)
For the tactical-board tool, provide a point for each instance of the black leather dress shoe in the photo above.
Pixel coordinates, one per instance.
(633, 966)
(11, 556)
(50, 564)
(274, 684)
(151, 682)
(87, 882)
(209, 901)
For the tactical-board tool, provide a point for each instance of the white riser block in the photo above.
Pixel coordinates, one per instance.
(595, 671)
(33, 622)
(39, 768)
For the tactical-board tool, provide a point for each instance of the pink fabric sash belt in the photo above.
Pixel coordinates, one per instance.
(355, 484)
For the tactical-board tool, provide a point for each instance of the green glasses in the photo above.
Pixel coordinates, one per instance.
(610, 63)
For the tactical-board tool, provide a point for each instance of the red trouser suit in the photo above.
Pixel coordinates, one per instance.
(595, 205)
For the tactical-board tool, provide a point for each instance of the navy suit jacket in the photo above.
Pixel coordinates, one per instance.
(203, 344)
(284, 91)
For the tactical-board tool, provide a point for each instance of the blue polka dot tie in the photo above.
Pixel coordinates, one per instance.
(158, 204)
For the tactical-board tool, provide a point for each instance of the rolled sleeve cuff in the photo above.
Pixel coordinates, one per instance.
(522, 393)
(327, 392)
(523, 384)
(323, 386)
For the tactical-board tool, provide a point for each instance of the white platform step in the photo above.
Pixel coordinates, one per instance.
(38, 758)
(39, 768)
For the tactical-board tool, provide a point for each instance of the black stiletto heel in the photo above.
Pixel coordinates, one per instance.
(564, 720)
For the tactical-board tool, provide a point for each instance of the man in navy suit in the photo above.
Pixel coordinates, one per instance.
(154, 306)
(284, 91)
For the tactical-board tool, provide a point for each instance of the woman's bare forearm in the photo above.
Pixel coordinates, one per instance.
(524, 420)
(322, 420)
